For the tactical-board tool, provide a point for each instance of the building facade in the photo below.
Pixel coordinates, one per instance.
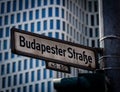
(71, 20)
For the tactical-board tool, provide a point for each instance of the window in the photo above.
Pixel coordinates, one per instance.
(8, 6)
(63, 26)
(2, 69)
(20, 4)
(93, 43)
(26, 4)
(14, 5)
(18, 17)
(24, 16)
(26, 77)
(33, 3)
(5, 44)
(44, 74)
(36, 87)
(13, 90)
(30, 88)
(57, 12)
(26, 27)
(31, 63)
(25, 64)
(49, 86)
(30, 15)
(3, 82)
(37, 14)
(63, 36)
(0, 56)
(7, 32)
(14, 67)
(38, 74)
(18, 89)
(43, 13)
(2, 8)
(9, 81)
(45, 2)
(51, 1)
(63, 13)
(32, 76)
(45, 25)
(12, 55)
(92, 20)
(63, 2)
(97, 19)
(12, 19)
(0, 45)
(8, 68)
(38, 26)
(20, 79)
(51, 24)
(37, 63)
(0, 21)
(32, 27)
(38, 2)
(6, 20)
(58, 24)
(25, 89)
(50, 34)
(43, 87)
(19, 65)
(51, 73)
(57, 35)
(15, 80)
(91, 32)
(95, 6)
(90, 6)
(58, 2)
(1, 32)
(6, 56)
(96, 32)
(50, 12)
(43, 63)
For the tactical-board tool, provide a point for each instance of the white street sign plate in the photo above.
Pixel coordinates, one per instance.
(51, 49)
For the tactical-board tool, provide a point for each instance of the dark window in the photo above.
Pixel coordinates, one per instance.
(95, 6)
(20, 4)
(92, 20)
(63, 13)
(39, 2)
(50, 34)
(7, 32)
(51, 1)
(32, 27)
(37, 14)
(93, 43)
(2, 8)
(57, 35)
(25, 89)
(8, 6)
(24, 16)
(90, 6)
(38, 26)
(36, 87)
(14, 67)
(9, 81)
(38, 74)
(14, 5)
(96, 32)
(5, 44)
(37, 63)
(49, 86)
(31, 63)
(6, 20)
(51, 24)
(63, 37)
(19, 65)
(30, 15)
(8, 68)
(26, 4)
(1, 32)
(20, 79)
(45, 2)
(6, 56)
(30, 88)
(26, 77)
(43, 13)
(44, 74)
(57, 12)
(45, 25)
(12, 19)
(58, 24)
(25, 64)
(3, 82)
(15, 80)
(18, 17)
(63, 2)
(43, 87)
(50, 12)
(91, 32)
(2, 69)
(0, 21)
(63, 26)
(58, 2)
(32, 76)
(33, 3)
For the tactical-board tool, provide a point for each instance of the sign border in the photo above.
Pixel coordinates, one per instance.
(13, 30)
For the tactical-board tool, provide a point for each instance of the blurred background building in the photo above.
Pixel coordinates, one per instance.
(71, 20)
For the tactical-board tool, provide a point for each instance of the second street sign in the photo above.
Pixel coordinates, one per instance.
(59, 51)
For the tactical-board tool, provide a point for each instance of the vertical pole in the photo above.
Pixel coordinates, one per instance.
(110, 40)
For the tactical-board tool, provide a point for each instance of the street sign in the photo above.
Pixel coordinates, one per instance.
(51, 49)
(57, 67)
